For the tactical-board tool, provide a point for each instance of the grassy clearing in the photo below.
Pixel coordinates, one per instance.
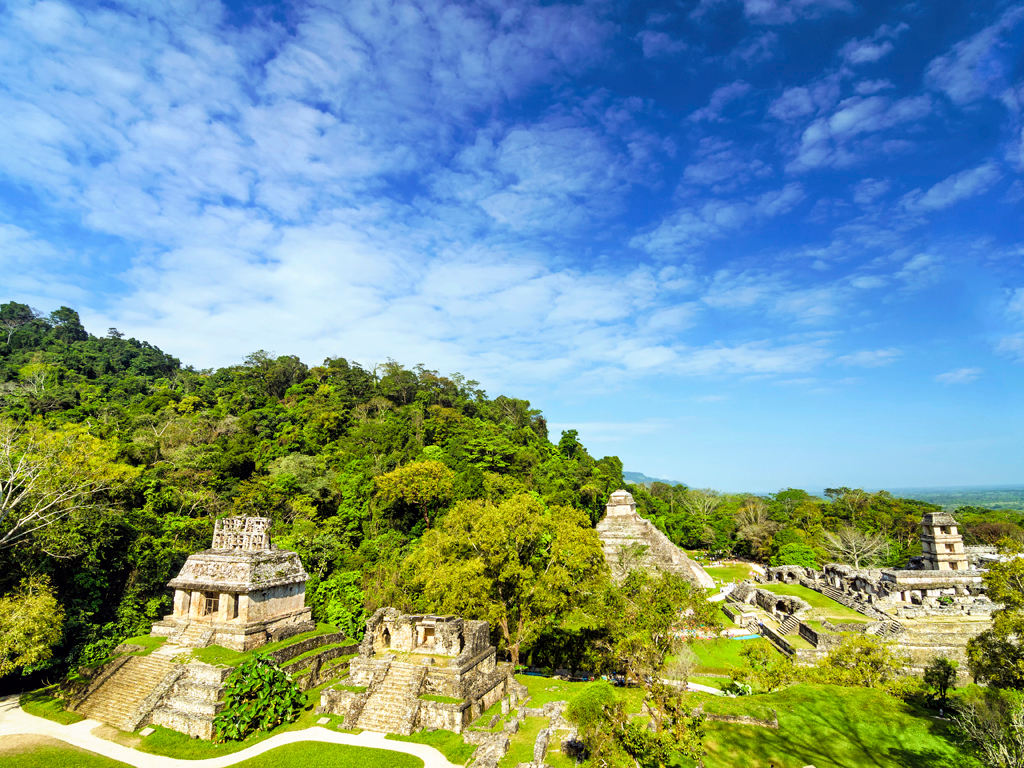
(720, 654)
(728, 573)
(829, 727)
(726, 621)
(546, 689)
(825, 607)
(521, 748)
(289, 756)
(447, 743)
(42, 704)
(225, 657)
(148, 643)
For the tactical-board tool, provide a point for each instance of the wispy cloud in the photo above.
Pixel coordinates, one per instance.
(960, 376)
(870, 358)
(954, 189)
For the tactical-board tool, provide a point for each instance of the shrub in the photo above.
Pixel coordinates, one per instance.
(259, 696)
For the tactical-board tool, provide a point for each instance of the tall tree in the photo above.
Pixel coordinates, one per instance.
(856, 547)
(516, 564)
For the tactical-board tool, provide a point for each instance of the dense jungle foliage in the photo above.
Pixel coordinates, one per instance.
(116, 460)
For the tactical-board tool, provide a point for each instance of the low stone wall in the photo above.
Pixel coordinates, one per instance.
(447, 717)
(289, 653)
(744, 720)
(776, 638)
(313, 678)
(334, 701)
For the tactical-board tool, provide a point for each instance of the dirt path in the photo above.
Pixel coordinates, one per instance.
(33, 731)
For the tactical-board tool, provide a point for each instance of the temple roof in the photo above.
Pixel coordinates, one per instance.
(239, 570)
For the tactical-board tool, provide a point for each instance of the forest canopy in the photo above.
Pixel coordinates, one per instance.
(115, 460)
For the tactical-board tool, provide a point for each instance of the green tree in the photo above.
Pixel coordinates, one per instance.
(31, 622)
(996, 656)
(940, 674)
(796, 554)
(862, 660)
(50, 480)
(764, 667)
(516, 564)
(426, 486)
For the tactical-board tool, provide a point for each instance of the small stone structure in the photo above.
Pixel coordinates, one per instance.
(420, 671)
(240, 593)
(630, 541)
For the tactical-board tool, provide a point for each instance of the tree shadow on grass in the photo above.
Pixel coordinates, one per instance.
(854, 734)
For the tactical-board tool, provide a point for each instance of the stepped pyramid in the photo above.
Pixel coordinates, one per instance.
(629, 541)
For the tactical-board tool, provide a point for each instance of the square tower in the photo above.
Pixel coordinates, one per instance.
(942, 546)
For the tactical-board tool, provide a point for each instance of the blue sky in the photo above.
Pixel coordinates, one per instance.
(746, 244)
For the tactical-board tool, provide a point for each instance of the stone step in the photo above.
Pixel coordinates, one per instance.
(120, 695)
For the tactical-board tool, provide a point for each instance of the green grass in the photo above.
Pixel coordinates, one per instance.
(440, 699)
(447, 743)
(148, 643)
(720, 654)
(225, 657)
(824, 606)
(288, 756)
(829, 727)
(726, 621)
(546, 689)
(521, 748)
(41, 704)
(727, 573)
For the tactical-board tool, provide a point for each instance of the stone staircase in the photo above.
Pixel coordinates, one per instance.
(393, 706)
(788, 626)
(117, 699)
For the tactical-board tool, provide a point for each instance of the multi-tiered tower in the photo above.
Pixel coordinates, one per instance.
(942, 546)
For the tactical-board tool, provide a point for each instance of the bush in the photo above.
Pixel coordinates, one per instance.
(259, 696)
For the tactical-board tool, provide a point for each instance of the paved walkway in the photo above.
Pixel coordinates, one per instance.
(15, 722)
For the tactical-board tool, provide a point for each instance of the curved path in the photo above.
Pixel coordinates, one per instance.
(16, 722)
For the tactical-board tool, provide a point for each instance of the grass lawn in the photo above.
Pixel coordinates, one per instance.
(289, 756)
(225, 657)
(726, 621)
(521, 748)
(825, 607)
(546, 689)
(447, 743)
(41, 704)
(727, 573)
(719, 654)
(829, 727)
(148, 643)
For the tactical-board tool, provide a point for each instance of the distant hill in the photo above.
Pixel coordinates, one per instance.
(993, 497)
(640, 477)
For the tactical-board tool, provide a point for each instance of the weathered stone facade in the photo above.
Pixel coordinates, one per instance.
(629, 541)
(942, 546)
(240, 594)
(420, 671)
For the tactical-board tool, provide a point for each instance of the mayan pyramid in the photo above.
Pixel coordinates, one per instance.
(629, 542)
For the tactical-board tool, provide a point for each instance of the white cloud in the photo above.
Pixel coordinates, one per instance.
(839, 139)
(871, 358)
(655, 44)
(1012, 346)
(722, 97)
(778, 12)
(867, 191)
(959, 376)
(1015, 306)
(978, 66)
(954, 189)
(870, 50)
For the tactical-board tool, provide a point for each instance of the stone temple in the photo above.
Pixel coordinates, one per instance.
(421, 671)
(241, 593)
(629, 541)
